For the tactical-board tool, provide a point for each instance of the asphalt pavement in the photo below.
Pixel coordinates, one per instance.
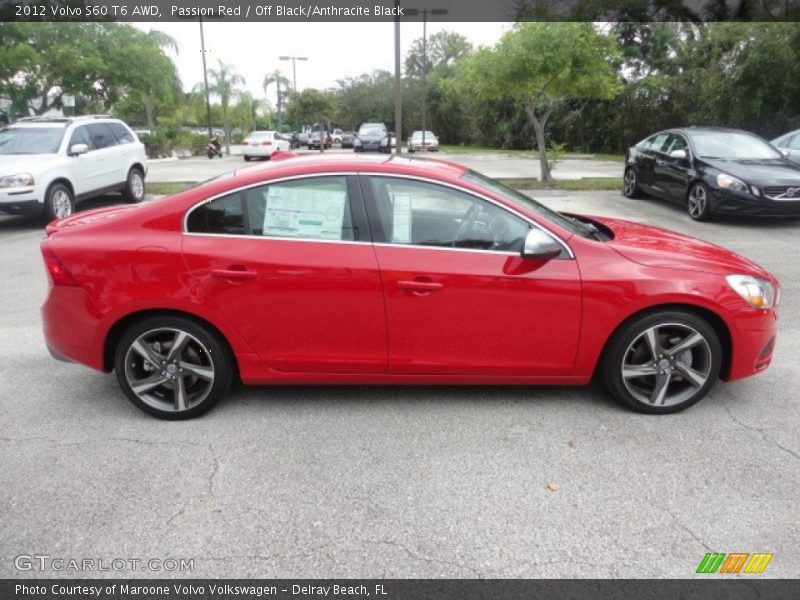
(399, 482)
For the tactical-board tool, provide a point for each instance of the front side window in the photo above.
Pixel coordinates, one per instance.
(81, 136)
(424, 214)
(794, 143)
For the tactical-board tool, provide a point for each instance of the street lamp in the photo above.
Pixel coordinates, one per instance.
(413, 12)
(294, 60)
(205, 78)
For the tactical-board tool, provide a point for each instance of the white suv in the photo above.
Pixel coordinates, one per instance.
(47, 164)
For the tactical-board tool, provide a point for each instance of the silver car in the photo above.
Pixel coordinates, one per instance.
(420, 140)
(789, 145)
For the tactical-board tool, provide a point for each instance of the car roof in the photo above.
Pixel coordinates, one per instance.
(706, 129)
(356, 162)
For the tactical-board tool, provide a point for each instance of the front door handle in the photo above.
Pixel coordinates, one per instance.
(233, 274)
(420, 286)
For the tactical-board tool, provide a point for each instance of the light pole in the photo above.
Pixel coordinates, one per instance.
(294, 60)
(205, 78)
(438, 12)
(398, 97)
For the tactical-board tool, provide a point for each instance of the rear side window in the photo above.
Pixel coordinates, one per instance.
(123, 135)
(102, 136)
(222, 216)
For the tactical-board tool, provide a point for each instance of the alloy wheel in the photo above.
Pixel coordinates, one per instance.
(698, 202)
(667, 364)
(629, 183)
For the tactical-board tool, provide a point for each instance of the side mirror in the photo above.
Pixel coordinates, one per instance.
(540, 245)
(78, 149)
(679, 154)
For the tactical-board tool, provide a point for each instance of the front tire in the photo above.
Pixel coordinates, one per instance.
(134, 187)
(663, 361)
(698, 203)
(172, 367)
(246, 158)
(59, 202)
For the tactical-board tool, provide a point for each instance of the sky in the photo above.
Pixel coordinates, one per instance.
(334, 50)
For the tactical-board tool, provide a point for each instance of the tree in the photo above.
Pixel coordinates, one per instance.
(541, 66)
(279, 80)
(224, 81)
(311, 106)
(444, 50)
(368, 97)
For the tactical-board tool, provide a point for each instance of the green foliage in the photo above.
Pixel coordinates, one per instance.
(311, 106)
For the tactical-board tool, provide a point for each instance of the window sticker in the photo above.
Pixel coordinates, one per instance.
(401, 230)
(304, 213)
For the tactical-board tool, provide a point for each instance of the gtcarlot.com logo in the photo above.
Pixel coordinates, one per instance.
(734, 563)
(60, 564)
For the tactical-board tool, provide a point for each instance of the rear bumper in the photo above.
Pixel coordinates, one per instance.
(71, 325)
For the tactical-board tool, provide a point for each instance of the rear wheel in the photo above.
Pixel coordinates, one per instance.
(59, 202)
(662, 362)
(134, 186)
(172, 367)
(698, 203)
(246, 158)
(630, 184)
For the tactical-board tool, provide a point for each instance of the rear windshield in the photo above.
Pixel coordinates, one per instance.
(30, 140)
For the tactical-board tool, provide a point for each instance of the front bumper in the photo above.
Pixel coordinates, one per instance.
(753, 335)
(21, 201)
(728, 202)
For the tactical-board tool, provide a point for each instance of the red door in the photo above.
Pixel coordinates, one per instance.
(304, 305)
(459, 297)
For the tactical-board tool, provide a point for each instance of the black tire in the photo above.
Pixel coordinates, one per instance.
(411, 151)
(204, 353)
(649, 369)
(630, 184)
(59, 202)
(134, 186)
(246, 158)
(210, 153)
(698, 202)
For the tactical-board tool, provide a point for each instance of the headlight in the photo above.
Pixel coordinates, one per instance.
(384, 141)
(357, 142)
(758, 293)
(18, 180)
(727, 182)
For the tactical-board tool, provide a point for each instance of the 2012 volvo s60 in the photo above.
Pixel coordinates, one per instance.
(386, 270)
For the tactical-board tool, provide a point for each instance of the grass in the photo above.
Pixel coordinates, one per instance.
(588, 184)
(620, 158)
(167, 187)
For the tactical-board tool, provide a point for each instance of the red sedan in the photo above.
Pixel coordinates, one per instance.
(351, 269)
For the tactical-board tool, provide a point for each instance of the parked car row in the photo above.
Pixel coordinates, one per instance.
(716, 171)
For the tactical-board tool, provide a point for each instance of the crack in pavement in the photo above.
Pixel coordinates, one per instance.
(763, 434)
(422, 558)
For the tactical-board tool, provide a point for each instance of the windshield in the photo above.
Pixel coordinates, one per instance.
(30, 140)
(418, 134)
(371, 130)
(521, 199)
(731, 145)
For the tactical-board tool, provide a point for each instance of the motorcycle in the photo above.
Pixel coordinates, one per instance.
(213, 148)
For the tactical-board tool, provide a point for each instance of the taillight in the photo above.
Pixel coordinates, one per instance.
(266, 143)
(245, 142)
(55, 268)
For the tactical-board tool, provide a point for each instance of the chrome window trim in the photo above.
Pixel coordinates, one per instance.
(514, 212)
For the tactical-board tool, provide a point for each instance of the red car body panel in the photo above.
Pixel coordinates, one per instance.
(341, 312)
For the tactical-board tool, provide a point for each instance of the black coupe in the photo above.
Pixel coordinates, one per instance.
(714, 171)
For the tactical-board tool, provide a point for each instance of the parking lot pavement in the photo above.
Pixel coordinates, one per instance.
(400, 481)
(200, 168)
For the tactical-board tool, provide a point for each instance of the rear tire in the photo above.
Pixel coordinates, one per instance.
(663, 361)
(59, 202)
(168, 382)
(134, 187)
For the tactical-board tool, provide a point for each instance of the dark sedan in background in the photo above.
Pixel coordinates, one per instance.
(714, 171)
(789, 145)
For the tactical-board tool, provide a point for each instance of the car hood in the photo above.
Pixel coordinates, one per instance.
(20, 163)
(760, 172)
(657, 247)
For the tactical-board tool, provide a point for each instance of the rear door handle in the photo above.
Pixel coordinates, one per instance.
(233, 274)
(420, 286)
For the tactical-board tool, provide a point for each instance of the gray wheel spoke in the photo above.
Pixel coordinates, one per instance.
(633, 371)
(206, 373)
(689, 342)
(178, 344)
(148, 383)
(660, 390)
(696, 378)
(180, 394)
(651, 337)
(146, 352)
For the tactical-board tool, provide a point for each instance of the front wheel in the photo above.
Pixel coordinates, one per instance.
(663, 361)
(698, 203)
(134, 186)
(172, 367)
(630, 184)
(246, 158)
(59, 202)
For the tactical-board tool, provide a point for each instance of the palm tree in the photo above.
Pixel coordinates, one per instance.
(279, 80)
(224, 82)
